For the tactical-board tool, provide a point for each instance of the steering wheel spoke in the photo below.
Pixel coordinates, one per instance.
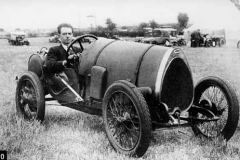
(79, 41)
(80, 44)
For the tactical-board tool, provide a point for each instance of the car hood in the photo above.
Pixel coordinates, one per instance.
(173, 38)
(148, 39)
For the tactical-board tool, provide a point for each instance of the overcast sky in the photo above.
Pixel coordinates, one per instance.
(37, 14)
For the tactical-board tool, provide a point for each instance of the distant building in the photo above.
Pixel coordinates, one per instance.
(4, 35)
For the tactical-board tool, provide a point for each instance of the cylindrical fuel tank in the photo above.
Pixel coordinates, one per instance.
(165, 70)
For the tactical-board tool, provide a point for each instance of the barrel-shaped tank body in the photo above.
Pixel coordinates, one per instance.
(165, 70)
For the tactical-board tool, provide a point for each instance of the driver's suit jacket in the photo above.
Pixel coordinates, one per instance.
(55, 57)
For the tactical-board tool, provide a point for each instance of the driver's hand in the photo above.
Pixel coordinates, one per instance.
(71, 56)
(64, 63)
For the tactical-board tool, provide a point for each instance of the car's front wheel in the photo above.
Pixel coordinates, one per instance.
(167, 43)
(208, 44)
(30, 98)
(221, 43)
(154, 42)
(175, 44)
(126, 119)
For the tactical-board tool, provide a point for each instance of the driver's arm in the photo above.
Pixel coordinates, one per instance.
(74, 52)
(54, 60)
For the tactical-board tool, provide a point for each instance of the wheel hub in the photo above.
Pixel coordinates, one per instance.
(124, 117)
(206, 103)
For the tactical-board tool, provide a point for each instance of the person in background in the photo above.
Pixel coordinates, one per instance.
(195, 38)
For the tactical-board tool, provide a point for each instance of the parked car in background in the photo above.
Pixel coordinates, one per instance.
(210, 37)
(159, 36)
(147, 32)
(113, 36)
(54, 39)
(18, 39)
(173, 35)
(219, 37)
(211, 41)
(85, 40)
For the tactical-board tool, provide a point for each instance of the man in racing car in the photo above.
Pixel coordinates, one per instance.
(57, 58)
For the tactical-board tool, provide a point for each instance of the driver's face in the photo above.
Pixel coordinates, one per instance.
(66, 35)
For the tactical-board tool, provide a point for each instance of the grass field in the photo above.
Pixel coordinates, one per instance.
(69, 134)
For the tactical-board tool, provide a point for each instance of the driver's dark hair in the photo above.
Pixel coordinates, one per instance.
(67, 25)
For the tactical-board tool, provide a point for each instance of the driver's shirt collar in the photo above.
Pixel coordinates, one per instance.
(64, 46)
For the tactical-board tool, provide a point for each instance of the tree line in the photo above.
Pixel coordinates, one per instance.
(129, 31)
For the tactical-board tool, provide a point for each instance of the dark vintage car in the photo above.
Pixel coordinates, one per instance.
(18, 39)
(159, 37)
(137, 88)
(209, 38)
(54, 39)
(210, 41)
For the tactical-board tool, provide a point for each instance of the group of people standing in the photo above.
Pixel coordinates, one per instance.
(196, 38)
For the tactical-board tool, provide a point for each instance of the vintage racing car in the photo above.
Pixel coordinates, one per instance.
(137, 88)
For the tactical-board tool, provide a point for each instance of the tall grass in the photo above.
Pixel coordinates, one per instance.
(69, 134)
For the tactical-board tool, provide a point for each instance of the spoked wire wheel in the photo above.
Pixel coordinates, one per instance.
(126, 119)
(123, 121)
(30, 99)
(217, 96)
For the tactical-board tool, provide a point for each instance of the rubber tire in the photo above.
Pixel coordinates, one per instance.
(176, 44)
(38, 87)
(180, 43)
(233, 110)
(221, 43)
(167, 43)
(184, 43)
(238, 45)
(154, 42)
(142, 111)
(208, 44)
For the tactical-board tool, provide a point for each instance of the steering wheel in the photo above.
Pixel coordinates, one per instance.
(43, 49)
(79, 40)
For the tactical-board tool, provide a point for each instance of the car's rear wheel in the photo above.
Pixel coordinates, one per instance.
(221, 43)
(180, 43)
(208, 44)
(176, 44)
(154, 42)
(26, 43)
(126, 119)
(30, 98)
(184, 43)
(217, 96)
